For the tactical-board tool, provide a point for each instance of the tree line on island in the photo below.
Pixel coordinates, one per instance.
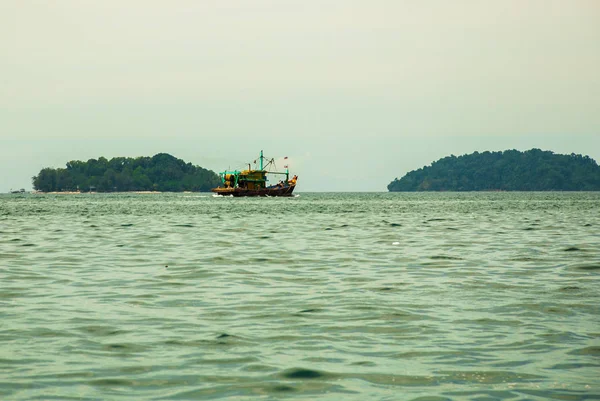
(161, 172)
(511, 170)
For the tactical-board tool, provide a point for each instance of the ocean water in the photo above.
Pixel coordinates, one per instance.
(436, 296)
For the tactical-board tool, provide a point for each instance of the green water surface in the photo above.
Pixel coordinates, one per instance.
(435, 296)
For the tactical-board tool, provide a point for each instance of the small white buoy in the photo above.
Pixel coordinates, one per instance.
(395, 243)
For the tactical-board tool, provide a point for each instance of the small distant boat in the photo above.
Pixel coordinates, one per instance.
(17, 191)
(254, 182)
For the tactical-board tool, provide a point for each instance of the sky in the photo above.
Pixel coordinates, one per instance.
(355, 93)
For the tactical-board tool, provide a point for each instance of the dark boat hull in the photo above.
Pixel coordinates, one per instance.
(238, 192)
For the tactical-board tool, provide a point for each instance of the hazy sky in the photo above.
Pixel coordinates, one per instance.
(356, 93)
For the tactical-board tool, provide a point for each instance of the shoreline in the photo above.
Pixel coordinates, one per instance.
(92, 192)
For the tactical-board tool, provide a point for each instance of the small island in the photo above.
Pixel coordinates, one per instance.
(161, 173)
(511, 170)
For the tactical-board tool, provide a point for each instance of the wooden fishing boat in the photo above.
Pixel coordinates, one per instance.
(255, 182)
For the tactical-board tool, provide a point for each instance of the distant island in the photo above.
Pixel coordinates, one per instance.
(511, 170)
(161, 172)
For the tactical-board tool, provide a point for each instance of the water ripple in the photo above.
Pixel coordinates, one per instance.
(328, 296)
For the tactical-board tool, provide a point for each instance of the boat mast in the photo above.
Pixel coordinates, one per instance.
(261, 160)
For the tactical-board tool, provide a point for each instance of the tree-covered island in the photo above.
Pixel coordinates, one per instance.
(161, 172)
(511, 170)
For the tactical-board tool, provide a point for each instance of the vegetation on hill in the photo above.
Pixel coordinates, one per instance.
(511, 170)
(161, 172)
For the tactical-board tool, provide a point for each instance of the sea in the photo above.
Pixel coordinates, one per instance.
(329, 296)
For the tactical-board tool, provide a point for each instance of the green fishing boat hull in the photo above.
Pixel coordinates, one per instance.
(239, 192)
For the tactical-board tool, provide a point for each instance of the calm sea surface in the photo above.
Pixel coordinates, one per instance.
(437, 296)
